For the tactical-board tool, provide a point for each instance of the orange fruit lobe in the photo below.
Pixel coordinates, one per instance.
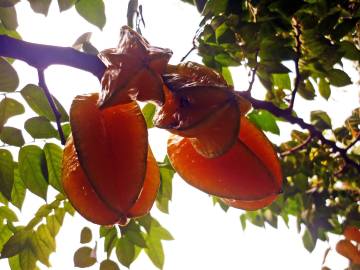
(348, 250)
(249, 171)
(352, 233)
(112, 149)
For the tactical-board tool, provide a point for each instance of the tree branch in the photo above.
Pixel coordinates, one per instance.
(298, 147)
(288, 116)
(297, 59)
(42, 56)
(52, 104)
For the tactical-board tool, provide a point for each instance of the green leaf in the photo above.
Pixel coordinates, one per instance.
(243, 221)
(226, 73)
(165, 190)
(12, 136)
(8, 214)
(38, 102)
(93, 11)
(149, 112)
(83, 258)
(9, 79)
(320, 119)
(27, 259)
(324, 88)
(125, 251)
(110, 241)
(40, 128)
(53, 225)
(31, 162)
(65, 4)
(15, 244)
(8, 108)
(5, 234)
(155, 251)
(66, 129)
(306, 90)
(282, 81)
(42, 244)
(338, 78)
(349, 50)
(53, 154)
(14, 263)
(8, 3)
(264, 120)
(133, 233)
(60, 214)
(40, 6)
(159, 232)
(18, 190)
(85, 235)
(8, 17)
(344, 28)
(108, 265)
(308, 241)
(6, 173)
(215, 7)
(270, 218)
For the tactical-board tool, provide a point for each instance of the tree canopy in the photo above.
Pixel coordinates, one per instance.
(296, 51)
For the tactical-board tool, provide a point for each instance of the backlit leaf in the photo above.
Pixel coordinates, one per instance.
(8, 17)
(8, 108)
(6, 173)
(9, 79)
(8, 214)
(83, 258)
(53, 225)
(85, 235)
(338, 78)
(15, 244)
(31, 164)
(308, 241)
(40, 128)
(155, 251)
(264, 120)
(12, 136)
(18, 191)
(93, 11)
(38, 102)
(53, 154)
(324, 88)
(149, 112)
(320, 119)
(42, 244)
(108, 265)
(65, 4)
(125, 251)
(27, 259)
(40, 6)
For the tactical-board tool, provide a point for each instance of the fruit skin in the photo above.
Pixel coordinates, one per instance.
(200, 105)
(112, 148)
(249, 171)
(250, 205)
(133, 71)
(352, 233)
(86, 201)
(347, 249)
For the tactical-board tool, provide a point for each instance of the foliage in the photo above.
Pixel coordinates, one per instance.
(320, 162)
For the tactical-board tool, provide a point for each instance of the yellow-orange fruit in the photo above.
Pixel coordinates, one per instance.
(85, 199)
(206, 114)
(149, 191)
(352, 233)
(348, 250)
(133, 71)
(249, 171)
(112, 148)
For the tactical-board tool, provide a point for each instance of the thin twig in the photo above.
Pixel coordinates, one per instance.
(297, 59)
(253, 74)
(188, 53)
(297, 148)
(52, 104)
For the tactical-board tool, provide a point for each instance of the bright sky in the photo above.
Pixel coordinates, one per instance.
(205, 236)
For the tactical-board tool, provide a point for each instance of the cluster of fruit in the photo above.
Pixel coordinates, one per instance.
(109, 172)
